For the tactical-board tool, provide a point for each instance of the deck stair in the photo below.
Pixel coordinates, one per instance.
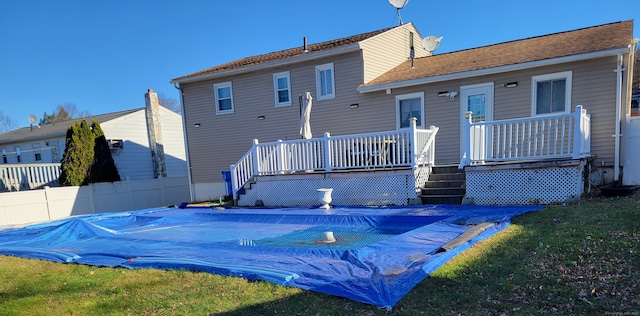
(446, 185)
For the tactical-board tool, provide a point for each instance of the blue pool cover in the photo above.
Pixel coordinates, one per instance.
(379, 254)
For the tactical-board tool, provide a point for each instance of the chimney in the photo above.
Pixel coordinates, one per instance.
(304, 45)
(154, 130)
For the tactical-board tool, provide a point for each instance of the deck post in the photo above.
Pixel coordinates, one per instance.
(234, 182)
(281, 155)
(327, 152)
(256, 159)
(412, 142)
(467, 138)
(578, 137)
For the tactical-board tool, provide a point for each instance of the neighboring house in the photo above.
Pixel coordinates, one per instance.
(132, 135)
(369, 83)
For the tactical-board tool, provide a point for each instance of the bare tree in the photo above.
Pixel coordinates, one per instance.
(63, 112)
(7, 124)
(169, 103)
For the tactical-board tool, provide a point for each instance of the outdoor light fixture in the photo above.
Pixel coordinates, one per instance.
(511, 84)
(451, 94)
(354, 105)
(196, 125)
(261, 117)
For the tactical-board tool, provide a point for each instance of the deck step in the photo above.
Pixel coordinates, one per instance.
(442, 199)
(446, 185)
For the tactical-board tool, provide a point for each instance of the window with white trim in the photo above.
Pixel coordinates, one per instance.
(224, 97)
(4, 155)
(325, 83)
(551, 93)
(408, 106)
(282, 88)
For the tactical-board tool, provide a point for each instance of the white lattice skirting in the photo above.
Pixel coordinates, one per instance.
(392, 187)
(523, 184)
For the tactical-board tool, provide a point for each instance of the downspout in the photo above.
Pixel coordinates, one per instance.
(617, 135)
(186, 143)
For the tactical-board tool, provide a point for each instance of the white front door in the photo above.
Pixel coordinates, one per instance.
(477, 99)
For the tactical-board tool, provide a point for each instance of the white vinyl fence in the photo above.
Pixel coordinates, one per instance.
(50, 203)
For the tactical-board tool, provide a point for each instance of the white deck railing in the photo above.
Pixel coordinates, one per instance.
(547, 137)
(410, 147)
(16, 177)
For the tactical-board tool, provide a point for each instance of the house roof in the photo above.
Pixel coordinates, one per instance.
(283, 54)
(56, 129)
(552, 46)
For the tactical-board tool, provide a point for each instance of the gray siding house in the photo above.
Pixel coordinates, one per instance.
(376, 81)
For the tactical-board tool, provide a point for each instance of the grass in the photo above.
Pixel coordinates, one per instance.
(580, 259)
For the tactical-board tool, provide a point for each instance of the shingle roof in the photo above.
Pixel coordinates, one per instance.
(591, 39)
(58, 129)
(283, 54)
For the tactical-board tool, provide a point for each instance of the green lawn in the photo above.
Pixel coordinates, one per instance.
(580, 259)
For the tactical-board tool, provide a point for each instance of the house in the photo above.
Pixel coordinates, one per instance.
(145, 143)
(520, 95)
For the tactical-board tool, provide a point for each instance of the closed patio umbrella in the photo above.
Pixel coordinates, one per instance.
(305, 114)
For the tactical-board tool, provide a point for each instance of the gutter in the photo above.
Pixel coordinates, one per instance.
(271, 64)
(490, 71)
(186, 143)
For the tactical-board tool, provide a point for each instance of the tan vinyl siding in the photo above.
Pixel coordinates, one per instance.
(593, 86)
(222, 139)
(385, 51)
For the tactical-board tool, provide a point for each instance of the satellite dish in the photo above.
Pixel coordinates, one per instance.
(430, 43)
(398, 4)
(32, 118)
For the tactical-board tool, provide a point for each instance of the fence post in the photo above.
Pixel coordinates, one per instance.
(162, 190)
(327, 152)
(578, 138)
(46, 198)
(129, 192)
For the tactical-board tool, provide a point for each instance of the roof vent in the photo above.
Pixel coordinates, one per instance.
(305, 48)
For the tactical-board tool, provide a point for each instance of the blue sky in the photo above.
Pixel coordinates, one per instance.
(102, 56)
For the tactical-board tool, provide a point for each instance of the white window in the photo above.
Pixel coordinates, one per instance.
(282, 88)
(551, 93)
(325, 86)
(224, 97)
(408, 106)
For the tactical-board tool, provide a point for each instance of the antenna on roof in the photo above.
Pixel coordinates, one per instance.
(430, 43)
(398, 4)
